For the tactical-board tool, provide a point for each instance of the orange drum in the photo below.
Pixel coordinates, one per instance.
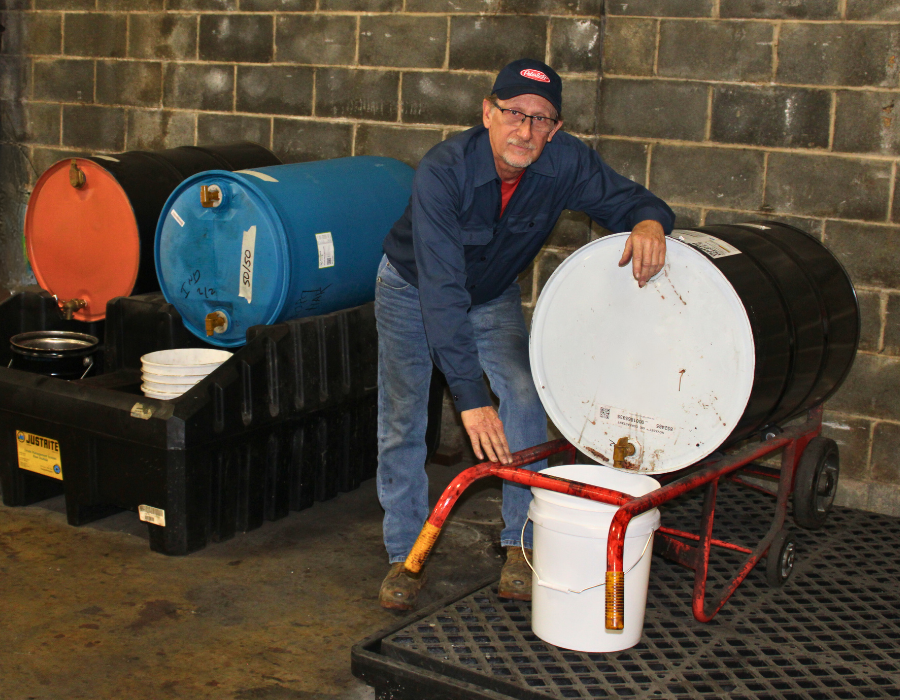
(83, 242)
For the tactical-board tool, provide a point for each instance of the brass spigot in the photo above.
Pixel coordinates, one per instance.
(209, 196)
(71, 307)
(622, 449)
(76, 176)
(214, 321)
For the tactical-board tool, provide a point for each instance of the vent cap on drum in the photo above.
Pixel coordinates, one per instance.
(669, 366)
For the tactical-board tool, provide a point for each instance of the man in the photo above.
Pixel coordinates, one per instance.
(482, 205)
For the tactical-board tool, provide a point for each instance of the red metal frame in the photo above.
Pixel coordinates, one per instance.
(669, 542)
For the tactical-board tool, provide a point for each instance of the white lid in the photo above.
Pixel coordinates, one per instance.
(669, 366)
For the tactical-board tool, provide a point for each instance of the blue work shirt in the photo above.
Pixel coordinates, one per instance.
(454, 246)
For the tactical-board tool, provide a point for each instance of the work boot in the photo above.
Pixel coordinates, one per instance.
(400, 589)
(515, 577)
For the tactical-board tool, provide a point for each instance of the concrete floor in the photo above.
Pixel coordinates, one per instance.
(91, 612)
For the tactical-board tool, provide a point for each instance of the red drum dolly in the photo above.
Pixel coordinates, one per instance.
(809, 473)
(747, 327)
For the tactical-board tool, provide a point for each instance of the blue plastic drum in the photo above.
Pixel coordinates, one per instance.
(254, 247)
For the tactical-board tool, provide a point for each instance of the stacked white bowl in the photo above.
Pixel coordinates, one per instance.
(167, 374)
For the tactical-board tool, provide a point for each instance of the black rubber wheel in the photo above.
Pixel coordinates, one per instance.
(815, 482)
(780, 559)
(770, 432)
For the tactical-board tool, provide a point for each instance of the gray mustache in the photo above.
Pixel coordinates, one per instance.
(521, 144)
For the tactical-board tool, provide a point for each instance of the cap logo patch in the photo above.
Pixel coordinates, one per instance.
(534, 75)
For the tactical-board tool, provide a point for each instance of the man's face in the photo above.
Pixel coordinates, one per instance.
(520, 145)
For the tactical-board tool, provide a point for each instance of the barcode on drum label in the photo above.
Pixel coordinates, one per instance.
(248, 259)
(635, 421)
(712, 246)
(326, 249)
(154, 516)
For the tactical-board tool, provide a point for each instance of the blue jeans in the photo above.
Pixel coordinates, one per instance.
(404, 377)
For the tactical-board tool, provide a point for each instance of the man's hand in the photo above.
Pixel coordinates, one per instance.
(646, 248)
(485, 430)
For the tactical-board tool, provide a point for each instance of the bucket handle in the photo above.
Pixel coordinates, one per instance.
(566, 589)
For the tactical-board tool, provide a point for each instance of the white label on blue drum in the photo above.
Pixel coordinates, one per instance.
(326, 249)
(712, 246)
(248, 253)
(177, 218)
(261, 176)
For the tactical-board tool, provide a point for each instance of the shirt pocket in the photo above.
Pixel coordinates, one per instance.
(477, 235)
(538, 222)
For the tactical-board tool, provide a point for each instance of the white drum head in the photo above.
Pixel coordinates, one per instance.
(669, 366)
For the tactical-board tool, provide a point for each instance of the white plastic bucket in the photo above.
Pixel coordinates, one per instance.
(167, 374)
(184, 361)
(151, 384)
(570, 535)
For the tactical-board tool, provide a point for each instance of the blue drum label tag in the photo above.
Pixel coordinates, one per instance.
(326, 249)
(248, 253)
(39, 454)
(712, 246)
(261, 176)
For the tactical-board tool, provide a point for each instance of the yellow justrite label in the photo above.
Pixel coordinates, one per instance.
(39, 454)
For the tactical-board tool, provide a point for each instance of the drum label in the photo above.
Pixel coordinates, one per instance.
(177, 218)
(712, 246)
(634, 421)
(326, 249)
(154, 516)
(261, 176)
(39, 455)
(248, 253)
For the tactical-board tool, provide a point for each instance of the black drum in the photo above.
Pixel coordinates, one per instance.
(804, 313)
(746, 327)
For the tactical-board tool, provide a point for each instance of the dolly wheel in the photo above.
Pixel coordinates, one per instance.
(780, 559)
(816, 482)
(770, 433)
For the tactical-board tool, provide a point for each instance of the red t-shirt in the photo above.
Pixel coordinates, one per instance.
(506, 191)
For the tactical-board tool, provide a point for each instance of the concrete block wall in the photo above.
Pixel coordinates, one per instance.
(310, 79)
(787, 109)
(730, 109)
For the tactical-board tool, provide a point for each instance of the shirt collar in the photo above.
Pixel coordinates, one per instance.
(485, 170)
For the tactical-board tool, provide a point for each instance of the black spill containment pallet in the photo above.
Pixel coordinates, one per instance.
(289, 420)
(832, 632)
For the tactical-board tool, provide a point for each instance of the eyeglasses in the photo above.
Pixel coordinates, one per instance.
(513, 117)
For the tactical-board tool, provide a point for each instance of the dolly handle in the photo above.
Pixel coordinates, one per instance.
(615, 600)
(415, 560)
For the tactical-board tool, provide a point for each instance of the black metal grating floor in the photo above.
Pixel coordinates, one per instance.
(833, 630)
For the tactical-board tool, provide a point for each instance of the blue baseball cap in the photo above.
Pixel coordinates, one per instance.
(529, 77)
